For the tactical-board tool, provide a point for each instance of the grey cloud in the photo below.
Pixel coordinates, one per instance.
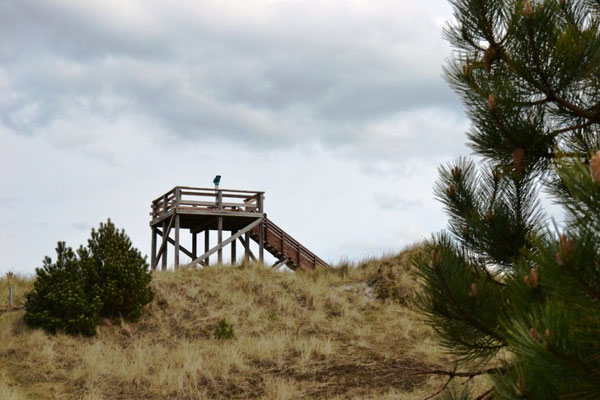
(7, 202)
(298, 75)
(394, 202)
(81, 226)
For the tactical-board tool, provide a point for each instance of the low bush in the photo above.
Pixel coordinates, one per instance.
(108, 278)
(59, 300)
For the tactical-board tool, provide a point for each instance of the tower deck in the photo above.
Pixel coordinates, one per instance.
(239, 212)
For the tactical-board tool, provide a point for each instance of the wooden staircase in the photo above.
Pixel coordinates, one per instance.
(286, 249)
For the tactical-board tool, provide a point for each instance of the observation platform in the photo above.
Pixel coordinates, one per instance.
(239, 213)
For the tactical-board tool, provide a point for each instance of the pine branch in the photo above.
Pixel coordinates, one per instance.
(456, 374)
(547, 88)
(465, 316)
(484, 394)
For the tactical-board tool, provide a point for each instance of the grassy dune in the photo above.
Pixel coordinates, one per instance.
(345, 333)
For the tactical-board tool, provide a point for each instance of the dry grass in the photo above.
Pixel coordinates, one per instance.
(339, 334)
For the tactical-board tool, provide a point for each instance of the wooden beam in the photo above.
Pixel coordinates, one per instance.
(202, 227)
(153, 251)
(261, 242)
(220, 240)
(279, 263)
(206, 246)
(246, 244)
(162, 252)
(183, 249)
(233, 251)
(227, 241)
(194, 245)
(176, 244)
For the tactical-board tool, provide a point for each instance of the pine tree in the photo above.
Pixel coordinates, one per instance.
(108, 278)
(508, 294)
(118, 272)
(59, 300)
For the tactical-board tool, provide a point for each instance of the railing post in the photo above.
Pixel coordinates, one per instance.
(219, 199)
(260, 202)
(165, 203)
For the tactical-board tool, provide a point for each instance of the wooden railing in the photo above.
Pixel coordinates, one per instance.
(289, 247)
(185, 198)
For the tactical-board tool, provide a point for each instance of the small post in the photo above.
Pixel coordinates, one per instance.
(10, 295)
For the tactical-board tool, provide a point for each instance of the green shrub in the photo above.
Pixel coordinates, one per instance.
(59, 300)
(119, 271)
(108, 279)
(224, 330)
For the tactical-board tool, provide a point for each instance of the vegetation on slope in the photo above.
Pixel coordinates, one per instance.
(349, 332)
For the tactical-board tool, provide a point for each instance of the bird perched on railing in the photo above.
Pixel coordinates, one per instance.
(217, 181)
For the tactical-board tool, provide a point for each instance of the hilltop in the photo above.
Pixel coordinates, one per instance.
(348, 332)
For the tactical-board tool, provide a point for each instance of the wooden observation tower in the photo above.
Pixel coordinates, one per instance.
(238, 213)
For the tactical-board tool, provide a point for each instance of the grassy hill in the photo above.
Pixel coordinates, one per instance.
(350, 332)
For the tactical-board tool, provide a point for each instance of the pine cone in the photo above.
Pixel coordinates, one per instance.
(489, 57)
(595, 167)
(519, 159)
(473, 291)
(491, 102)
(527, 10)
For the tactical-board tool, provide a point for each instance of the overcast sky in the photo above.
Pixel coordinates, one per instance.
(336, 109)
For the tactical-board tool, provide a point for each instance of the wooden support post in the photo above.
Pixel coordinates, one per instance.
(261, 241)
(162, 252)
(164, 247)
(194, 245)
(220, 239)
(298, 247)
(233, 249)
(176, 257)
(153, 255)
(206, 245)
(246, 244)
